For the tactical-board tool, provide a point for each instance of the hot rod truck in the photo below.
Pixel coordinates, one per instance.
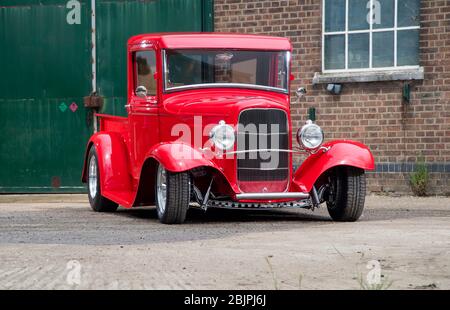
(209, 125)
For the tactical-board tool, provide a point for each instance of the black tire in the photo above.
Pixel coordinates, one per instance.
(178, 196)
(347, 194)
(98, 202)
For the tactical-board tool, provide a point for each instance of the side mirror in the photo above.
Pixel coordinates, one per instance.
(141, 91)
(301, 91)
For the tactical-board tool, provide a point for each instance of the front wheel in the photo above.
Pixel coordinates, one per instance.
(347, 194)
(172, 195)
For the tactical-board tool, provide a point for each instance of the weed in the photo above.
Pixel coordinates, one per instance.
(272, 272)
(383, 285)
(419, 179)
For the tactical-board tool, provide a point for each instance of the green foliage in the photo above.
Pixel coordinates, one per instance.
(383, 285)
(419, 179)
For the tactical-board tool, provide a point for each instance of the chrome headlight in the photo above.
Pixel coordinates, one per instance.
(310, 136)
(223, 136)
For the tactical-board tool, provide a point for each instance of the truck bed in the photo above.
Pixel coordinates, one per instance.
(113, 123)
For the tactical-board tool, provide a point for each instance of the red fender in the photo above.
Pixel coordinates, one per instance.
(341, 153)
(112, 161)
(179, 157)
(175, 157)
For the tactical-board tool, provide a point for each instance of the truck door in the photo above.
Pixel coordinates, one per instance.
(143, 108)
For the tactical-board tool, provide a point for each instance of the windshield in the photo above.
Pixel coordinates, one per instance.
(226, 68)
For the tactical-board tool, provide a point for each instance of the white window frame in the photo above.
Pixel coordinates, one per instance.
(371, 30)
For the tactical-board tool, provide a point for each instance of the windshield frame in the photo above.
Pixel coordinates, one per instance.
(226, 85)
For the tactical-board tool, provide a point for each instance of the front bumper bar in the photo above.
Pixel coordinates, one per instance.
(271, 196)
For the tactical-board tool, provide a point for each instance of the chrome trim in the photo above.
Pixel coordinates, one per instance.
(93, 177)
(165, 72)
(288, 72)
(288, 183)
(225, 85)
(269, 196)
(262, 150)
(213, 133)
(161, 190)
(302, 130)
(264, 169)
(266, 134)
(324, 149)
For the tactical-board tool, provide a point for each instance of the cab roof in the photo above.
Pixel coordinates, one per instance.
(213, 40)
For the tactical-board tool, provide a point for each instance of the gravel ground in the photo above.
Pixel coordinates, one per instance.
(57, 242)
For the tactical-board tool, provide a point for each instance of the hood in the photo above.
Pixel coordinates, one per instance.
(224, 104)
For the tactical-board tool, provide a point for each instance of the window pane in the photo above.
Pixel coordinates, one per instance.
(145, 69)
(383, 14)
(408, 47)
(252, 68)
(282, 72)
(334, 15)
(408, 13)
(383, 49)
(358, 11)
(358, 50)
(334, 52)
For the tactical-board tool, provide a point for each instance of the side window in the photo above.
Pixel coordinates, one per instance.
(370, 34)
(145, 68)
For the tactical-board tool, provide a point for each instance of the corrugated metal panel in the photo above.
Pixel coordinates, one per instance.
(45, 66)
(119, 20)
(208, 15)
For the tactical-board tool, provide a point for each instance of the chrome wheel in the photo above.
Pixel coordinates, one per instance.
(93, 177)
(161, 188)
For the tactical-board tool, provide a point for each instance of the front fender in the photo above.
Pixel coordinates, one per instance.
(179, 157)
(112, 161)
(175, 157)
(341, 153)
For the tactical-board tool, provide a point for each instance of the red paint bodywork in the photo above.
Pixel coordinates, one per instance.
(129, 148)
(340, 153)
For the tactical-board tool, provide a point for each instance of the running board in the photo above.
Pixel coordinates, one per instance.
(271, 196)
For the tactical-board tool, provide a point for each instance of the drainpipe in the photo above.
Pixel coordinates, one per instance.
(94, 57)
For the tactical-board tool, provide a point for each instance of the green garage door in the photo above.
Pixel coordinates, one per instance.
(45, 71)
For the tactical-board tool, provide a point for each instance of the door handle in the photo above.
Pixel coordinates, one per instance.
(129, 107)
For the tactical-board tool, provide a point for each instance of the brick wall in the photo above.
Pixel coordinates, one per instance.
(372, 113)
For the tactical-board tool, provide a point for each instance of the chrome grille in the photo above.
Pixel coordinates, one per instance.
(266, 131)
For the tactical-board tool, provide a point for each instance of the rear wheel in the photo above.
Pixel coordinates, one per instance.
(347, 193)
(172, 195)
(97, 201)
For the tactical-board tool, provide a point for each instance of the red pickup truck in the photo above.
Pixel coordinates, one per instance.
(209, 125)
